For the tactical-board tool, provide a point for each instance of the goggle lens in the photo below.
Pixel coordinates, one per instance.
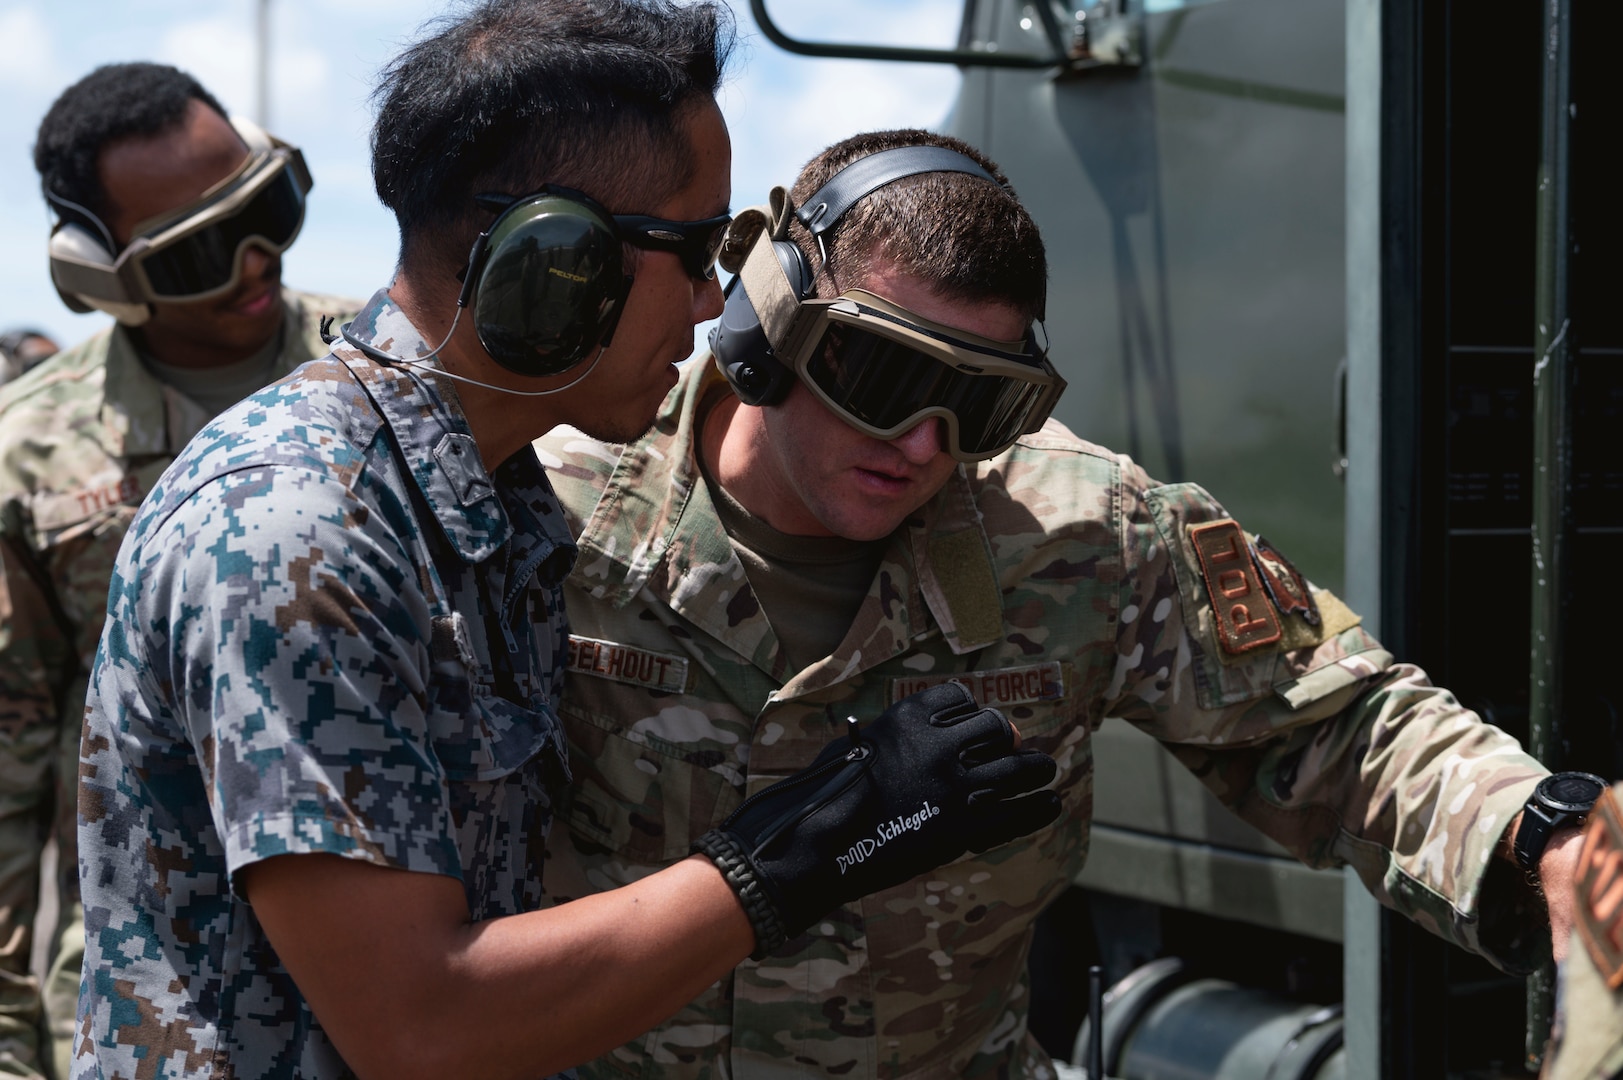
(884, 384)
(205, 260)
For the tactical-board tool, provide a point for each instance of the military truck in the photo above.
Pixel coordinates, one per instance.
(1345, 263)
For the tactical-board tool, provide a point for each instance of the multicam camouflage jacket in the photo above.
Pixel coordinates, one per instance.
(1062, 585)
(330, 630)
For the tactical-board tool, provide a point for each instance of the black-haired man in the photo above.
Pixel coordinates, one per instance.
(861, 498)
(146, 174)
(321, 753)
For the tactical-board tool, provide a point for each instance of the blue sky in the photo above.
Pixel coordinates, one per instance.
(781, 108)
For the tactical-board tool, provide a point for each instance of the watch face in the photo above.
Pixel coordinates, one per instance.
(1574, 792)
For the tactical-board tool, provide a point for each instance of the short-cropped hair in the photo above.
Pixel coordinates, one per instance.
(114, 102)
(970, 240)
(508, 95)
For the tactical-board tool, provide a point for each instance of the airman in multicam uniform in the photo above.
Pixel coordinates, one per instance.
(83, 439)
(321, 751)
(1588, 1039)
(750, 575)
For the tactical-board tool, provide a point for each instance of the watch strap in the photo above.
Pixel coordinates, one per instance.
(1543, 814)
(1533, 835)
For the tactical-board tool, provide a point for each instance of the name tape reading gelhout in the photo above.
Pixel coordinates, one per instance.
(627, 664)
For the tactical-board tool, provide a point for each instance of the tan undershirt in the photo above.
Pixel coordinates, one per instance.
(809, 587)
(218, 388)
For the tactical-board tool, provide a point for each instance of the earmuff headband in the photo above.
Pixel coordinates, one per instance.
(867, 175)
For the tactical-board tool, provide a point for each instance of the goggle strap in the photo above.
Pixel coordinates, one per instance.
(783, 210)
(777, 308)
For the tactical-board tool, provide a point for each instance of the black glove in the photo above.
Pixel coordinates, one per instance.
(935, 775)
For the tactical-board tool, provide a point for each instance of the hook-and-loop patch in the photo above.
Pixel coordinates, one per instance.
(1246, 619)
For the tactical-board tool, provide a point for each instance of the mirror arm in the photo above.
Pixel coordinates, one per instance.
(965, 57)
(1051, 28)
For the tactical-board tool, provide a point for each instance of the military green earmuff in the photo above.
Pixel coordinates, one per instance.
(546, 282)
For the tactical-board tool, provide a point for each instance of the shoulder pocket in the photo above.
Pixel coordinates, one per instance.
(478, 735)
(1192, 526)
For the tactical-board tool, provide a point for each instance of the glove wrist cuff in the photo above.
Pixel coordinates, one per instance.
(735, 866)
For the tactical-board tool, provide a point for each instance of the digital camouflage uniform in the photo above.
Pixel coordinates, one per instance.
(83, 437)
(1061, 584)
(332, 631)
(1588, 1042)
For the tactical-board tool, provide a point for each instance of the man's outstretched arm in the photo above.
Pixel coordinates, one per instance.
(407, 985)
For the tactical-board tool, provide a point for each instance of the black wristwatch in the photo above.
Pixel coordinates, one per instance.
(1561, 799)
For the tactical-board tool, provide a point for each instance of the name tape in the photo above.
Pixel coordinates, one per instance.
(69, 508)
(995, 687)
(627, 664)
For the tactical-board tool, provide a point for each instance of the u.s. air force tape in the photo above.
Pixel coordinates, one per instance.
(628, 664)
(999, 688)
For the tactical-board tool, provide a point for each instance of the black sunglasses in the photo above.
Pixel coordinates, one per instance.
(696, 243)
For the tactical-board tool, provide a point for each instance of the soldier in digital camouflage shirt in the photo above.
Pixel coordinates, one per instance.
(321, 750)
(83, 438)
(748, 576)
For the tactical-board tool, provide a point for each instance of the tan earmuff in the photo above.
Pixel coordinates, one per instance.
(763, 301)
(82, 271)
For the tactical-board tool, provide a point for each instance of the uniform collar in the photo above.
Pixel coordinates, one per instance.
(653, 481)
(425, 416)
(938, 574)
(141, 416)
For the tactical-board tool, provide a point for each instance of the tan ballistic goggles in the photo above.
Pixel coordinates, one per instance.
(885, 369)
(196, 252)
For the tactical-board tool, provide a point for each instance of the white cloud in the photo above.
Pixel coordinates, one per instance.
(783, 108)
(917, 23)
(780, 118)
(30, 62)
(221, 53)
